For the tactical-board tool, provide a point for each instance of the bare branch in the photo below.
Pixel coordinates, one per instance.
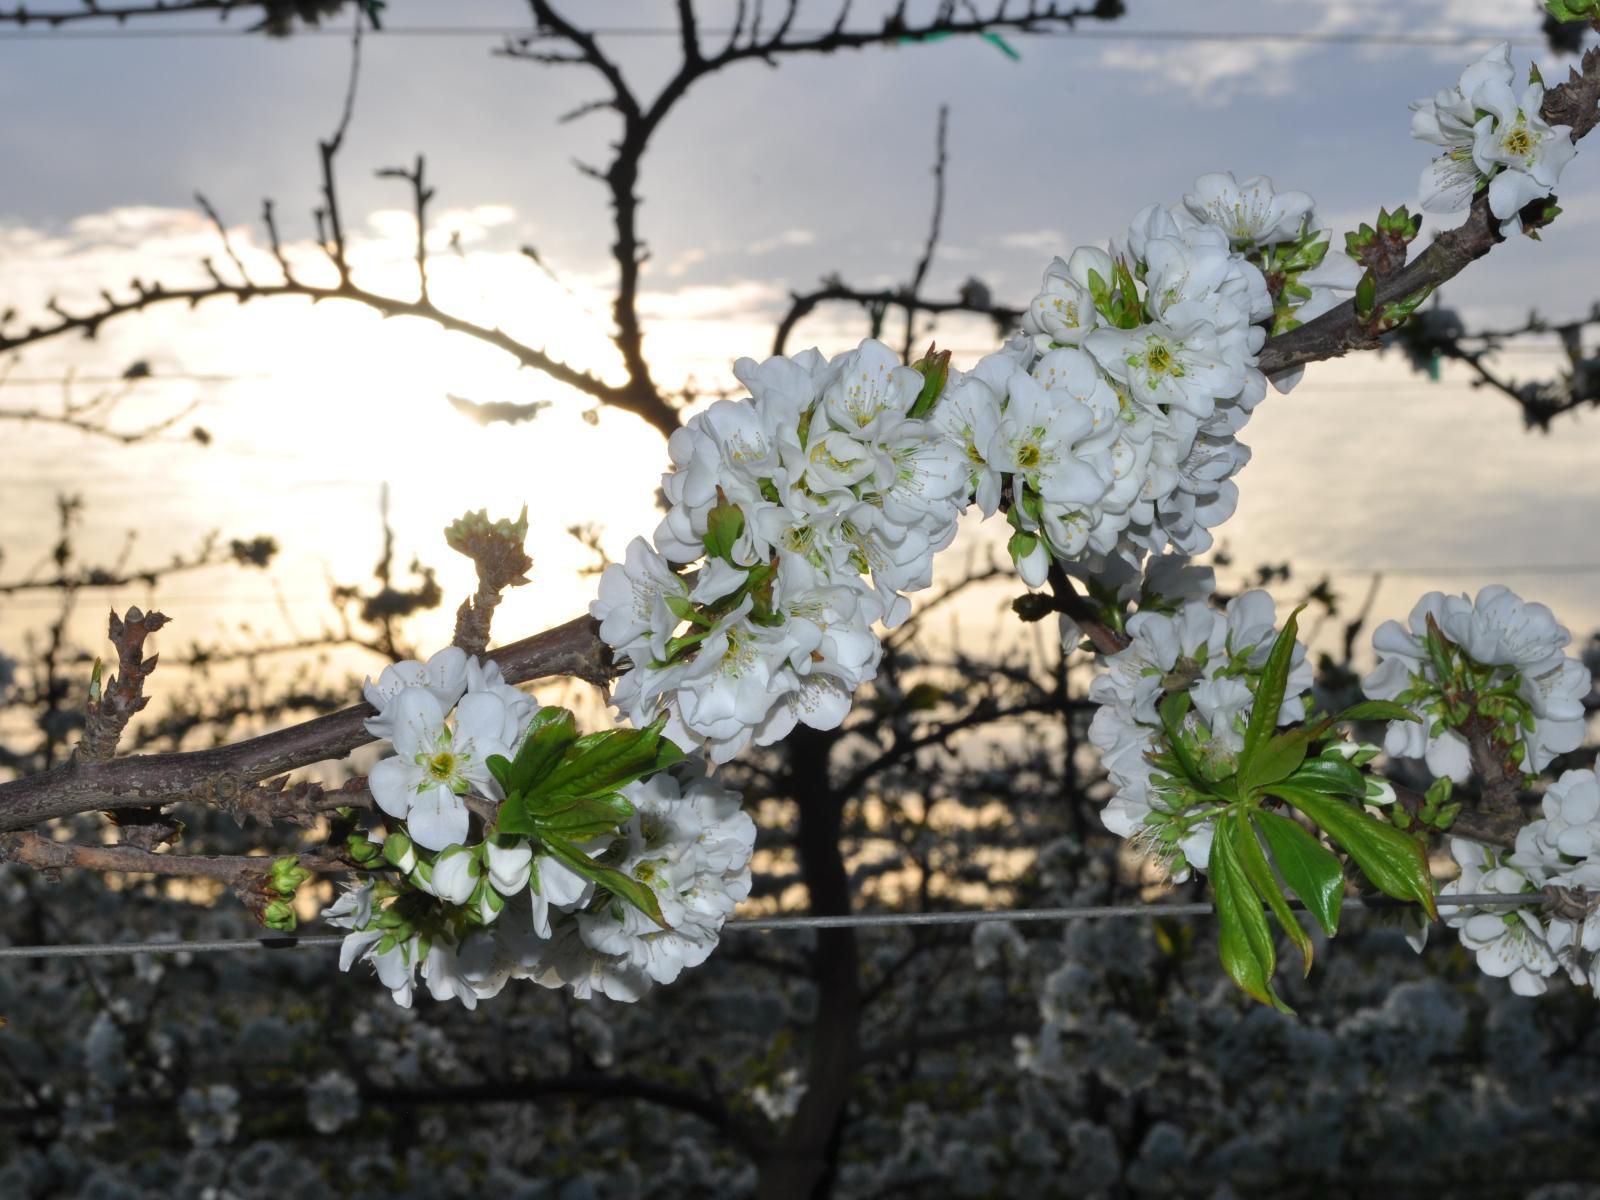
(920, 275)
(420, 195)
(43, 854)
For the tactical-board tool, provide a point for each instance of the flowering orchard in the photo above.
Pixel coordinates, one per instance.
(800, 521)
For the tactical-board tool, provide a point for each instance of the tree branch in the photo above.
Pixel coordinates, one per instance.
(1340, 330)
(215, 776)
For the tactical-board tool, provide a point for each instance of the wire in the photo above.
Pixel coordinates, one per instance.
(775, 925)
(1303, 37)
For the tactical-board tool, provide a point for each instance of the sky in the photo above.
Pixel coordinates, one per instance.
(761, 182)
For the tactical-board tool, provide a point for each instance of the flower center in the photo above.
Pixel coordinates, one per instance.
(1028, 457)
(441, 766)
(1519, 142)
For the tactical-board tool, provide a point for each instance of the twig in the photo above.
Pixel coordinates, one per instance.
(109, 712)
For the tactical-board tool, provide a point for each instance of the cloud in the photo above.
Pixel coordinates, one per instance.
(788, 238)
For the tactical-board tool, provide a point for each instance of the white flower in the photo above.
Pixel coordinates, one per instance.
(557, 889)
(1498, 629)
(871, 392)
(1521, 154)
(1251, 213)
(1064, 311)
(1490, 133)
(1510, 943)
(434, 767)
(444, 677)
(1038, 441)
(1165, 366)
(691, 846)
(633, 610)
(1209, 654)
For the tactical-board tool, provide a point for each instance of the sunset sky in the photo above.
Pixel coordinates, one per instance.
(761, 182)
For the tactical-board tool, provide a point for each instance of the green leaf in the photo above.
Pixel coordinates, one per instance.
(1269, 695)
(1307, 866)
(1173, 708)
(1377, 710)
(1276, 759)
(1394, 861)
(1331, 777)
(623, 887)
(934, 367)
(606, 762)
(1235, 826)
(1243, 939)
(724, 524)
(584, 819)
(552, 731)
(1366, 294)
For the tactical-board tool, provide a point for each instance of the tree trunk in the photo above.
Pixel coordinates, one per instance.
(803, 1162)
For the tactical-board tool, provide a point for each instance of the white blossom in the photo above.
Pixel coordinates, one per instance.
(1509, 943)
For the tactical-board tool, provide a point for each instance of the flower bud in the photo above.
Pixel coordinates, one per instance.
(279, 915)
(455, 874)
(398, 853)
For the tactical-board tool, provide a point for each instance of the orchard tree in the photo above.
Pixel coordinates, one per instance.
(498, 844)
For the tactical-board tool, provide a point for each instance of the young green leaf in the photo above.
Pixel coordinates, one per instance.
(1377, 710)
(1331, 777)
(547, 739)
(1394, 861)
(1277, 758)
(1236, 827)
(1172, 710)
(1269, 695)
(1307, 866)
(724, 524)
(1244, 940)
(586, 818)
(606, 762)
(622, 886)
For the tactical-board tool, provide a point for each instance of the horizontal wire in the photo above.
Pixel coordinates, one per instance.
(777, 925)
(1307, 37)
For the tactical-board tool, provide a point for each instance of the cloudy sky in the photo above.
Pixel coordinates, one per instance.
(763, 180)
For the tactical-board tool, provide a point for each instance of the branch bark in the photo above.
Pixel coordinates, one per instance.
(221, 775)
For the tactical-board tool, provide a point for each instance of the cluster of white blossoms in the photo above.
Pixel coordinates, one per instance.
(1491, 133)
(1213, 657)
(1497, 656)
(1561, 850)
(1156, 340)
(470, 916)
(811, 508)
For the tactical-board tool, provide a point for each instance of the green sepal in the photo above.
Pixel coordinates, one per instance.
(1394, 862)
(1310, 869)
(624, 887)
